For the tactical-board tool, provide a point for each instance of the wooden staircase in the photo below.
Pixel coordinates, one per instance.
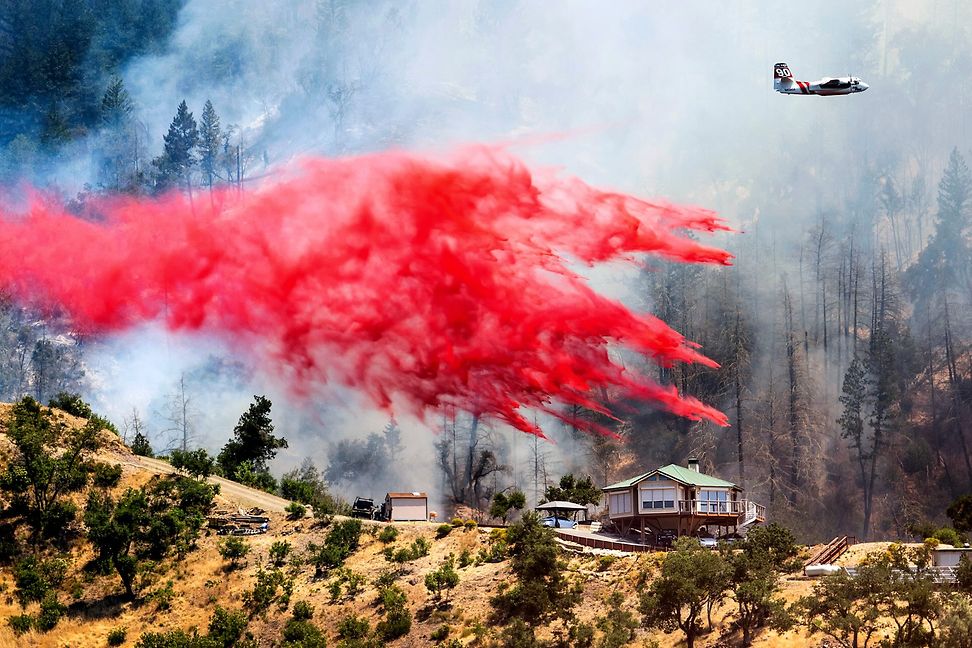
(830, 552)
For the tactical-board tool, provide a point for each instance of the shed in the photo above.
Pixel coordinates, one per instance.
(407, 507)
(948, 556)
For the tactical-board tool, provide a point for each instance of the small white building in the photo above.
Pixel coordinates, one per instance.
(949, 556)
(407, 507)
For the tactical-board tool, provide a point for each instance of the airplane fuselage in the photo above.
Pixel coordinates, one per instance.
(825, 87)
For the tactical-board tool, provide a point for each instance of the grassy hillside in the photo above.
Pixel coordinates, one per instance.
(184, 593)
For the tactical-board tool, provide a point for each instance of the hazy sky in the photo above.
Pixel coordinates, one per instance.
(662, 99)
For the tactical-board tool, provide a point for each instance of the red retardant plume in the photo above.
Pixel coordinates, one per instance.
(423, 283)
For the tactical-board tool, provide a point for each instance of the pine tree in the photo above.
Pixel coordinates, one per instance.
(119, 148)
(210, 143)
(116, 104)
(945, 260)
(176, 162)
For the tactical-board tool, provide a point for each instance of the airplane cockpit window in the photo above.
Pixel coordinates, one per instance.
(835, 84)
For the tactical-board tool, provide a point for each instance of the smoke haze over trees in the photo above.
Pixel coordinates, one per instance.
(842, 330)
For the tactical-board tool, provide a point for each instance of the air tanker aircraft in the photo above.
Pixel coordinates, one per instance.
(784, 82)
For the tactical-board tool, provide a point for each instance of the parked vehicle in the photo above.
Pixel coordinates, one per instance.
(665, 539)
(559, 522)
(363, 508)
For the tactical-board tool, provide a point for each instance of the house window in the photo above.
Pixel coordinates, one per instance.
(713, 501)
(619, 503)
(657, 498)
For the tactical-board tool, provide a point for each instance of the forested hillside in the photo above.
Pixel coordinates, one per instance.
(842, 330)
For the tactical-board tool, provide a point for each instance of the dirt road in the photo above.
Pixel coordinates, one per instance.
(231, 490)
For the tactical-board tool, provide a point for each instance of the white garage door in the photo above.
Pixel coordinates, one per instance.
(408, 509)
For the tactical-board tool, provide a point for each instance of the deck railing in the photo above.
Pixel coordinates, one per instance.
(714, 507)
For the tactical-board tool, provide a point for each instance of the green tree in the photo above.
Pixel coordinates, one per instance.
(902, 586)
(444, 578)
(955, 628)
(234, 550)
(691, 579)
(118, 145)
(197, 463)
(50, 461)
(772, 543)
(504, 503)
(618, 625)
(253, 444)
(944, 261)
(175, 165)
(210, 143)
(842, 608)
(73, 404)
(542, 592)
(572, 489)
(226, 627)
(755, 585)
(306, 486)
(141, 446)
(146, 524)
(960, 513)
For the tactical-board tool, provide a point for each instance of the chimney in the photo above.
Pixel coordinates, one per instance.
(693, 464)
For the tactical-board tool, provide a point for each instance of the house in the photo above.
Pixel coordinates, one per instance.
(406, 507)
(679, 500)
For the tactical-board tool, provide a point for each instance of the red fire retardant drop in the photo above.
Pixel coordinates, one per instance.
(423, 283)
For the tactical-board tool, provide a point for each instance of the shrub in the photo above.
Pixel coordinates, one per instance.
(296, 511)
(141, 446)
(116, 637)
(385, 579)
(279, 551)
(197, 463)
(964, 575)
(105, 475)
(51, 611)
(163, 596)
(955, 626)
(303, 611)
(465, 558)
(457, 522)
(302, 634)
(353, 627)
(234, 549)
(443, 578)
(341, 541)
(470, 524)
(73, 404)
(34, 578)
(499, 548)
(21, 623)
(442, 531)
(440, 633)
(397, 623)
(950, 536)
(271, 586)
(225, 627)
(388, 534)
(419, 548)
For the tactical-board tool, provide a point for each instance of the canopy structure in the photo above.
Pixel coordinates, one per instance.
(561, 506)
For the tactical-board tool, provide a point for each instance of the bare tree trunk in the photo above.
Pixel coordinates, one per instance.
(737, 386)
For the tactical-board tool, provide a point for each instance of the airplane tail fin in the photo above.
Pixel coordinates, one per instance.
(782, 75)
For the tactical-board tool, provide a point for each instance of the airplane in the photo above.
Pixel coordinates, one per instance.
(784, 82)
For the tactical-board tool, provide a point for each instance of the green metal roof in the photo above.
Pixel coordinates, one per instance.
(676, 473)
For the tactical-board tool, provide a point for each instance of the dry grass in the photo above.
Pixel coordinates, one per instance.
(201, 582)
